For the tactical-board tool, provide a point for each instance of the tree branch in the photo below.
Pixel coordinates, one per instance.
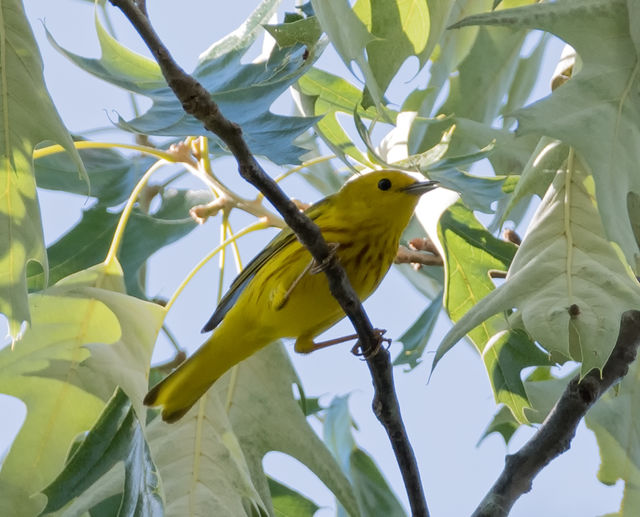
(196, 101)
(556, 432)
(416, 258)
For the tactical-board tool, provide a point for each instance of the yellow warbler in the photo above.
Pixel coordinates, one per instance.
(282, 292)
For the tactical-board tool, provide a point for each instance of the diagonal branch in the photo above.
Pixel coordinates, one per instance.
(555, 434)
(196, 101)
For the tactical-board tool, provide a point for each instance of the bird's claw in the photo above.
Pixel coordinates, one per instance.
(368, 354)
(318, 268)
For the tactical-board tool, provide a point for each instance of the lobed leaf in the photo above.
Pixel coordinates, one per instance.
(87, 338)
(485, 64)
(243, 92)
(567, 282)
(596, 112)
(23, 94)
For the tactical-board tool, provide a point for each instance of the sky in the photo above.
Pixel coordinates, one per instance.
(444, 418)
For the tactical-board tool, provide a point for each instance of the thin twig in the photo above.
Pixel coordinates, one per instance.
(555, 434)
(422, 258)
(196, 101)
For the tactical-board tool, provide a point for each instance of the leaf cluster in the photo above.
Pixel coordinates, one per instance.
(88, 446)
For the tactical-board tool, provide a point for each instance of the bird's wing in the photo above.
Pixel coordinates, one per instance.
(279, 242)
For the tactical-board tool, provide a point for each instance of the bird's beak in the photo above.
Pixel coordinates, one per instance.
(420, 187)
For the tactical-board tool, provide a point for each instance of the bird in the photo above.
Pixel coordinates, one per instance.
(282, 292)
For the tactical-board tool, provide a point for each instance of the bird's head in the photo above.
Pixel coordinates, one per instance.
(383, 196)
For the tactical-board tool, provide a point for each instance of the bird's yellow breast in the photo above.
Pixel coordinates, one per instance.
(295, 300)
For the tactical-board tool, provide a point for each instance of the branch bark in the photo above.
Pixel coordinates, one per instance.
(196, 101)
(556, 432)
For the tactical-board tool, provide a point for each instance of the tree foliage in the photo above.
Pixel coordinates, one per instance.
(83, 327)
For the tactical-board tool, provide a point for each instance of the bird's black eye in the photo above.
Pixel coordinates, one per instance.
(384, 184)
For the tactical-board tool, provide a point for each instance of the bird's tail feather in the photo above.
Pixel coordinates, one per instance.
(181, 389)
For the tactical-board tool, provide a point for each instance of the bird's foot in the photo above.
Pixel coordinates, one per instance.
(367, 354)
(319, 267)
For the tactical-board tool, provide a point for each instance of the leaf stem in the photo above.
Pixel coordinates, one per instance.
(298, 168)
(223, 254)
(258, 225)
(126, 213)
(86, 144)
(567, 222)
(172, 339)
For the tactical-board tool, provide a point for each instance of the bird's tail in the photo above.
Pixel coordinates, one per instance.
(181, 389)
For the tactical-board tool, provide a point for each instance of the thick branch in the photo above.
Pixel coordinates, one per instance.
(555, 434)
(196, 101)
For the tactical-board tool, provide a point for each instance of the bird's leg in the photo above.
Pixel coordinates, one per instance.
(285, 297)
(305, 345)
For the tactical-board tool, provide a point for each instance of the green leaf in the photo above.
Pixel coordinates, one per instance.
(439, 13)
(87, 338)
(477, 192)
(509, 154)
(202, 464)
(107, 507)
(24, 93)
(112, 175)
(502, 423)
(18, 502)
(350, 37)
(289, 503)
(306, 31)
(415, 339)
(324, 94)
(243, 92)
(231, 448)
(471, 252)
(363, 133)
(452, 49)
(374, 495)
(568, 283)
(525, 78)
(117, 436)
(484, 77)
(613, 420)
(400, 29)
(543, 391)
(505, 355)
(144, 235)
(548, 157)
(595, 112)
